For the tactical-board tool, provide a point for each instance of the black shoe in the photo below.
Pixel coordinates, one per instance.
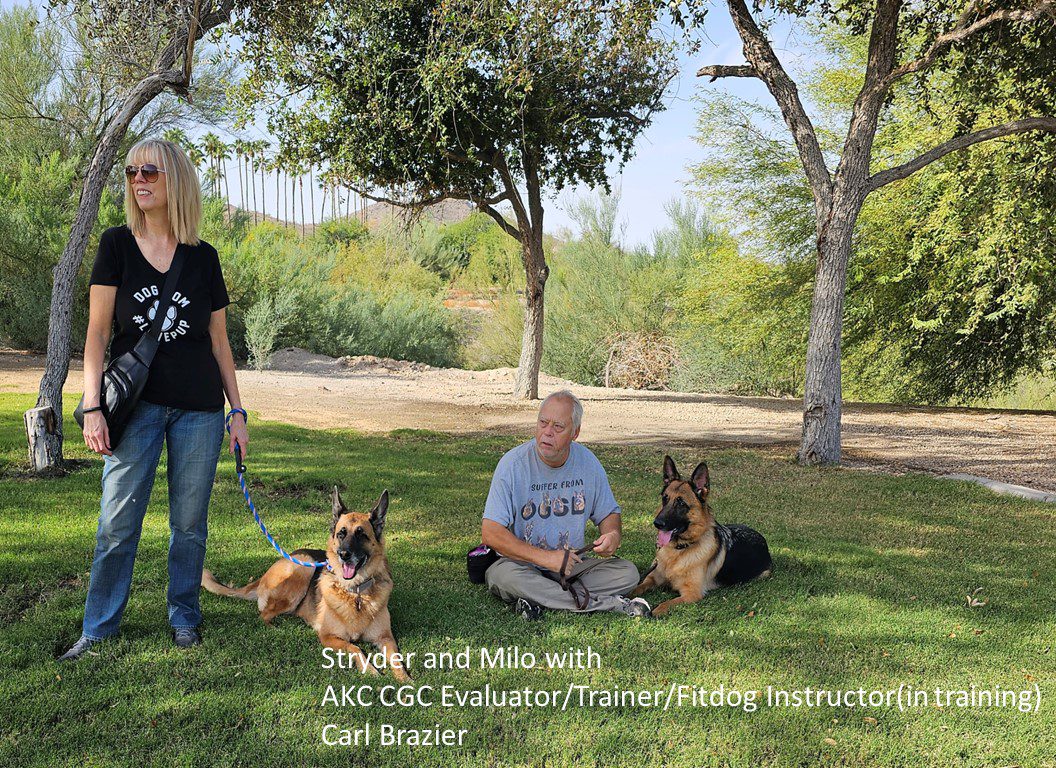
(527, 610)
(185, 637)
(79, 649)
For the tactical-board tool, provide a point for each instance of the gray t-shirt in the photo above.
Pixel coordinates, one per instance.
(548, 507)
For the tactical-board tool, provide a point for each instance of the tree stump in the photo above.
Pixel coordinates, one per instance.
(40, 424)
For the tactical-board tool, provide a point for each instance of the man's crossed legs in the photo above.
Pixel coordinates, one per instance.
(608, 581)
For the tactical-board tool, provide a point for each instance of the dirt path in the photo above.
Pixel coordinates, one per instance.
(373, 395)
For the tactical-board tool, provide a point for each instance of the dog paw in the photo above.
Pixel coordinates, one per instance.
(370, 670)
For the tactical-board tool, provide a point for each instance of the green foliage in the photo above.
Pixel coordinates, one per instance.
(950, 292)
(745, 324)
(404, 326)
(427, 96)
(56, 97)
(341, 291)
(265, 320)
(474, 250)
(598, 291)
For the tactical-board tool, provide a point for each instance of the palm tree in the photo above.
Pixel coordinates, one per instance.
(211, 144)
(311, 194)
(223, 154)
(195, 155)
(300, 183)
(177, 136)
(251, 148)
(240, 153)
(260, 148)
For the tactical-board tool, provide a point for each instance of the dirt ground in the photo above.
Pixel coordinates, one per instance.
(376, 395)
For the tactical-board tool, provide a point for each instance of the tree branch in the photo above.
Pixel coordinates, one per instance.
(761, 57)
(899, 172)
(506, 227)
(715, 71)
(482, 203)
(963, 30)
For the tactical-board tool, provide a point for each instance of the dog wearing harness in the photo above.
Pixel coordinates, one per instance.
(342, 591)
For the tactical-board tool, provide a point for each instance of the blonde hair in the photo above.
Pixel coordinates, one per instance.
(181, 187)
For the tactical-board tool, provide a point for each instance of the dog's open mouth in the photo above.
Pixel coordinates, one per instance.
(663, 538)
(348, 570)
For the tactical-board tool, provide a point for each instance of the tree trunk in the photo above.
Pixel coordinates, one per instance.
(822, 387)
(526, 385)
(47, 445)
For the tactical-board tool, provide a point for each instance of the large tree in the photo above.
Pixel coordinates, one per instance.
(906, 47)
(492, 101)
(148, 46)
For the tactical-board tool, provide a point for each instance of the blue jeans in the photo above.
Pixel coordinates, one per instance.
(194, 439)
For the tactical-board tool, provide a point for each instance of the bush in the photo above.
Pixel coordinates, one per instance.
(265, 321)
(404, 327)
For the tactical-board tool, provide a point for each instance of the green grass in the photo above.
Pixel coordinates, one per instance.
(869, 591)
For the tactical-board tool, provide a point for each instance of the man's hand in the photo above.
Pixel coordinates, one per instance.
(553, 558)
(607, 543)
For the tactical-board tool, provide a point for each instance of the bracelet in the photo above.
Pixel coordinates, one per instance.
(92, 410)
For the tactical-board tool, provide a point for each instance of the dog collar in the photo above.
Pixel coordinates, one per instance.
(363, 586)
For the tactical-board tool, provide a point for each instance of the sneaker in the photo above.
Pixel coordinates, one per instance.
(185, 637)
(80, 648)
(527, 610)
(637, 607)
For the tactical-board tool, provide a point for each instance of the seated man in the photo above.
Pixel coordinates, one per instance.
(541, 496)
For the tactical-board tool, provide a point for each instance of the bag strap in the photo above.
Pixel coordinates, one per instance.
(147, 345)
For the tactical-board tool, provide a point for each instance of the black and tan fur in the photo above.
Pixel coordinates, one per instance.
(699, 554)
(342, 610)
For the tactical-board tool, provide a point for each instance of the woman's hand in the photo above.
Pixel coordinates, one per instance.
(239, 435)
(96, 434)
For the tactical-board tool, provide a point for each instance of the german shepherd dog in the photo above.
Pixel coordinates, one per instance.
(694, 553)
(343, 604)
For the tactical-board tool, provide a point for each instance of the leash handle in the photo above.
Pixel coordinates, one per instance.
(239, 464)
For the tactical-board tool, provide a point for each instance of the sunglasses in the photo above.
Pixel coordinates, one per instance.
(149, 170)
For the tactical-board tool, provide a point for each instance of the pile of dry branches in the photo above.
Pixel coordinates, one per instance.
(640, 360)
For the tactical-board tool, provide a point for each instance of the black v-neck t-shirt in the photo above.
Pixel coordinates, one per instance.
(184, 373)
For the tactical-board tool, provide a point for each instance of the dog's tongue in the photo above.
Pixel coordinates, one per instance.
(348, 570)
(663, 538)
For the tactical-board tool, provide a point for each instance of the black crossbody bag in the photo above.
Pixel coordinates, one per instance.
(125, 377)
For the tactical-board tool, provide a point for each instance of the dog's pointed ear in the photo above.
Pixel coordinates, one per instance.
(670, 472)
(338, 508)
(377, 515)
(700, 479)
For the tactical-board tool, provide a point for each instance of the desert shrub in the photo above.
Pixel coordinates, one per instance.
(404, 326)
(494, 262)
(385, 267)
(264, 323)
(496, 342)
(449, 250)
(744, 325)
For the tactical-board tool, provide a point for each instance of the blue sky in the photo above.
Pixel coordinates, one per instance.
(658, 172)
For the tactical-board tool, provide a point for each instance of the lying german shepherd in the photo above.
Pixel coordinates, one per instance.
(693, 552)
(347, 602)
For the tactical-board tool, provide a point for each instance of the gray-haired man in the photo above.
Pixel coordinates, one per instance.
(541, 496)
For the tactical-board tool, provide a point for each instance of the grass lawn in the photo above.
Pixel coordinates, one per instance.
(869, 591)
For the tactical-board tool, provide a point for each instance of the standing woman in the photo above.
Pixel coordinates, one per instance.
(182, 404)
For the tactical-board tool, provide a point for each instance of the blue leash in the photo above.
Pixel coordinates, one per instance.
(241, 467)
